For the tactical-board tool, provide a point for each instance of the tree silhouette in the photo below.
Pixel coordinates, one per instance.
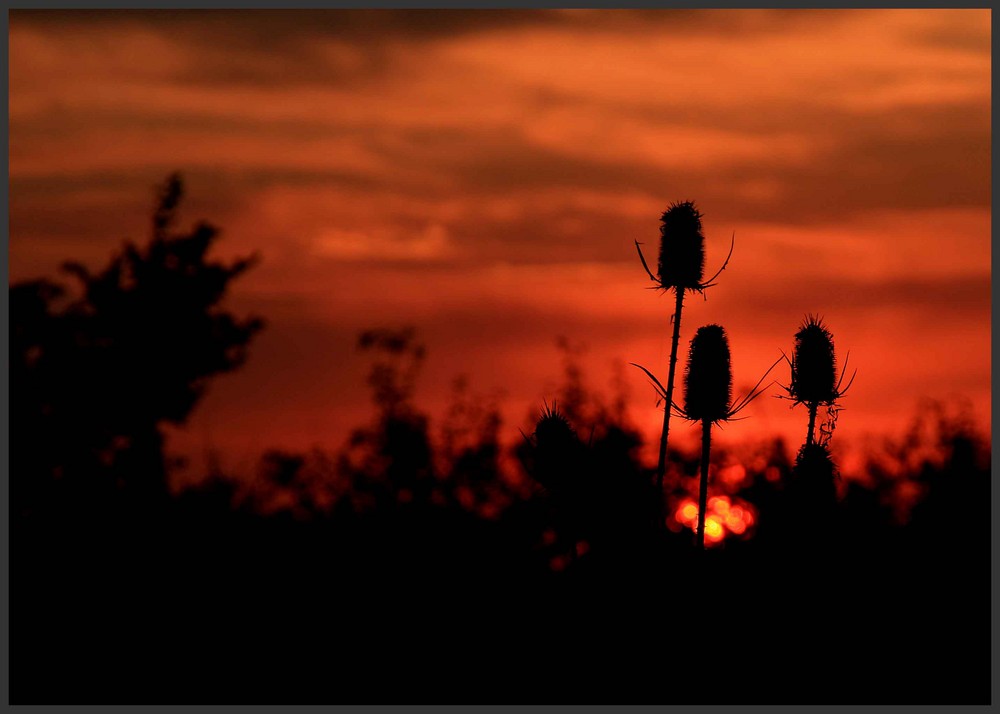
(98, 371)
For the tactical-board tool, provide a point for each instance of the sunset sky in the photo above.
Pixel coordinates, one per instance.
(482, 175)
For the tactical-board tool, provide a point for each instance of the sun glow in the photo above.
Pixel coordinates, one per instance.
(725, 517)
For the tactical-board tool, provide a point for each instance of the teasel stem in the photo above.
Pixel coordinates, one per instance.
(706, 445)
(680, 267)
(708, 397)
(813, 407)
(661, 466)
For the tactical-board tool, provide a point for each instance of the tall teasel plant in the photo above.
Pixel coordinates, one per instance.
(556, 449)
(557, 463)
(681, 268)
(708, 398)
(814, 381)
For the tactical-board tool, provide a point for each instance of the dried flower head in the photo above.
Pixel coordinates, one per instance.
(708, 379)
(814, 368)
(681, 264)
(814, 479)
(814, 462)
(556, 450)
(814, 380)
(553, 429)
(682, 247)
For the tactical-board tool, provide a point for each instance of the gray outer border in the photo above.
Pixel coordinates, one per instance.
(5, 389)
(993, 416)
(406, 4)
(488, 4)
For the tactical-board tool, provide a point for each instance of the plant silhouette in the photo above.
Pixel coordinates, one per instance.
(812, 492)
(814, 380)
(708, 387)
(680, 267)
(559, 465)
(97, 372)
(391, 464)
(601, 504)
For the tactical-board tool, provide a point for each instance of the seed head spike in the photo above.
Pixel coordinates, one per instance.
(682, 247)
(556, 453)
(552, 427)
(814, 369)
(708, 379)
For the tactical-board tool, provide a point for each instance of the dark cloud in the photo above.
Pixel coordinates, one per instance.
(867, 164)
(967, 37)
(232, 48)
(679, 22)
(260, 27)
(930, 300)
(860, 164)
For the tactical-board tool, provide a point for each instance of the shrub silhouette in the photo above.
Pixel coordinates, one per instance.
(390, 464)
(600, 500)
(680, 267)
(558, 463)
(96, 373)
(469, 453)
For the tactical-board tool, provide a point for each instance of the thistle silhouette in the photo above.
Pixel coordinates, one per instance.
(680, 267)
(813, 485)
(708, 398)
(557, 463)
(556, 449)
(814, 380)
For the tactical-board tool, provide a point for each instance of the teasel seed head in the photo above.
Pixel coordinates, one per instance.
(552, 430)
(814, 369)
(682, 247)
(815, 460)
(814, 477)
(708, 380)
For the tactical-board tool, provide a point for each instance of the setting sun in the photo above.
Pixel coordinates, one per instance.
(725, 517)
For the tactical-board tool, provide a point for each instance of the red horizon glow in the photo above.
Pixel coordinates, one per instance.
(482, 176)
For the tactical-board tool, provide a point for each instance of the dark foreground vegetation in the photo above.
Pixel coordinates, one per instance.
(425, 563)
